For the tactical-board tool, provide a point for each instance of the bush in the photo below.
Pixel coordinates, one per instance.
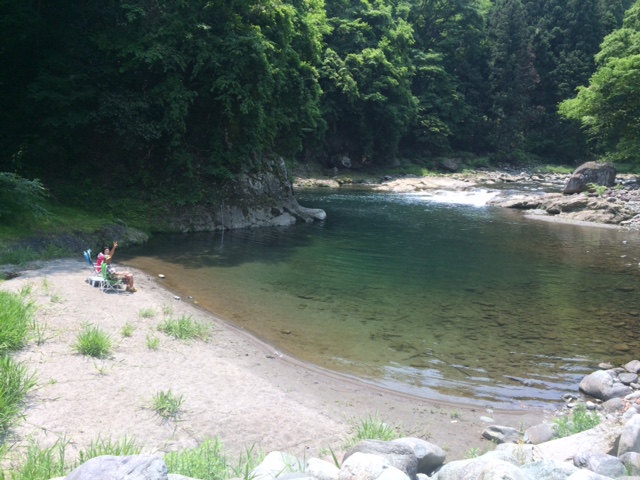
(580, 420)
(184, 328)
(20, 197)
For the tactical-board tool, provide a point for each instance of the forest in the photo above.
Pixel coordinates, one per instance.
(175, 97)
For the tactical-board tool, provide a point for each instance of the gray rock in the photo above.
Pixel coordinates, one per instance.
(600, 439)
(614, 405)
(471, 469)
(367, 466)
(429, 456)
(590, 172)
(523, 453)
(600, 463)
(630, 436)
(602, 384)
(321, 470)
(399, 455)
(633, 366)
(549, 470)
(539, 433)
(587, 475)
(133, 467)
(500, 470)
(500, 434)
(631, 461)
(274, 464)
(628, 378)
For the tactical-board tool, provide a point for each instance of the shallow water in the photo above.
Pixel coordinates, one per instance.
(431, 295)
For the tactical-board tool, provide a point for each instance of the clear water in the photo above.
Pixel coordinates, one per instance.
(429, 295)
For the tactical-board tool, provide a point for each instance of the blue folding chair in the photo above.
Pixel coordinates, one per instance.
(94, 280)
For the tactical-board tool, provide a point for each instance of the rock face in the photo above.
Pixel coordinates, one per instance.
(590, 172)
(263, 199)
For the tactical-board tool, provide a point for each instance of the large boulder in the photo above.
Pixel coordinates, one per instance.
(429, 455)
(605, 385)
(590, 172)
(134, 467)
(399, 455)
(367, 466)
(600, 439)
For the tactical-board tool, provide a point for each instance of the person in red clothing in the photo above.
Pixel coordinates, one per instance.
(105, 256)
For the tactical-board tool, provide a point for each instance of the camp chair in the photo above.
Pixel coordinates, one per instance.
(94, 280)
(109, 284)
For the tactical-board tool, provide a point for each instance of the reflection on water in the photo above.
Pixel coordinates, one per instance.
(438, 299)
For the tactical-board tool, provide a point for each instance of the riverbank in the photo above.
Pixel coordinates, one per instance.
(540, 199)
(234, 387)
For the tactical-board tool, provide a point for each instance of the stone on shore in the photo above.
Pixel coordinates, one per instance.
(590, 172)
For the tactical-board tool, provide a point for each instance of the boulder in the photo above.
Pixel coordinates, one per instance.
(399, 455)
(549, 470)
(633, 366)
(133, 467)
(367, 466)
(600, 439)
(631, 461)
(274, 464)
(473, 468)
(321, 470)
(500, 434)
(429, 456)
(630, 436)
(590, 172)
(539, 433)
(604, 384)
(600, 463)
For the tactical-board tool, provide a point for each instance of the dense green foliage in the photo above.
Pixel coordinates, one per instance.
(174, 97)
(610, 106)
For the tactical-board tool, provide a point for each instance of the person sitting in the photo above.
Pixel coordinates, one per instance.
(105, 256)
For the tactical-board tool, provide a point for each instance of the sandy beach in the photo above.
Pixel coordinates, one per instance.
(233, 386)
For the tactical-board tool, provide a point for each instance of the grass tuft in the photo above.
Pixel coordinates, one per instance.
(127, 330)
(370, 428)
(15, 382)
(168, 405)
(16, 318)
(93, 342)
(147, 312)
(185, 328)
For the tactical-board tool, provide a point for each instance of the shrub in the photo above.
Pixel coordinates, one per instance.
(580, 420)
(167, 404)
(20, 197)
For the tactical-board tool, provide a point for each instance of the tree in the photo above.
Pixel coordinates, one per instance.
(366, 79)
(609, 108)
(512, 78)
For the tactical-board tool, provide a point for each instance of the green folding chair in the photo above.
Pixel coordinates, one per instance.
(110, 284)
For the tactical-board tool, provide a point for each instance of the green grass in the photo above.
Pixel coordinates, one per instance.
(578, 421)
(127, 330)
(43, 463)
(208, 461)
(370, 428)
(147, 313)
(93, 342)
(106, 446)
(16, 319)
(15, 383)
(153, 342)
(185, 328)
(167, 405)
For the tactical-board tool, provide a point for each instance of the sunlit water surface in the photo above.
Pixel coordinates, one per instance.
(432, 295)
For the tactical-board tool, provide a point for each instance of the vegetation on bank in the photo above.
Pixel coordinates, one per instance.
(167, 101)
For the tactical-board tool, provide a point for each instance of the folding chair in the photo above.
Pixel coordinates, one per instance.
(94, 280)
(109, 284)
